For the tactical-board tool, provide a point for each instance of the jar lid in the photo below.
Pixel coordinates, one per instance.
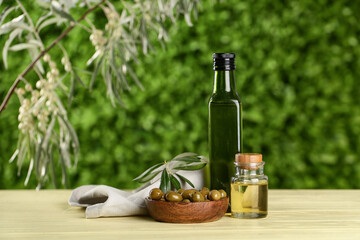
(248, 158)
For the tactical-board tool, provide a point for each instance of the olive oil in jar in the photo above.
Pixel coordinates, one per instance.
(249, 200)
(249, 187)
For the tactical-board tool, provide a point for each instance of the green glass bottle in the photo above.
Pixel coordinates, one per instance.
(225, 122)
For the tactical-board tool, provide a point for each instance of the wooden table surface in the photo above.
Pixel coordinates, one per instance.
(293, 214)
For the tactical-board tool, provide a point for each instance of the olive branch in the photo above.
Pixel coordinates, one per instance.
(46, 135)
(170, 178)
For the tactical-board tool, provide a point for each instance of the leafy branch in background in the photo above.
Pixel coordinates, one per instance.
(45, 131)
(168, 174)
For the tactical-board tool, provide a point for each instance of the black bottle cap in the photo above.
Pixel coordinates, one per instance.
(224, 61)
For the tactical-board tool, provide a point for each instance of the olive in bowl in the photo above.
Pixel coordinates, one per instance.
(191, 206)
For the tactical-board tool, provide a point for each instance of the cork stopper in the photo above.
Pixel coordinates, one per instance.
(248, 160)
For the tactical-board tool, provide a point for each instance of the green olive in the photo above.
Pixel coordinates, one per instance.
(181, 190)
(156, 194)
(170, 191)
(185, 200)
(188, 193)
(205, 191)
(222, 193)
(204, 194)
(173, 196)
(197, 197)
(214, 195)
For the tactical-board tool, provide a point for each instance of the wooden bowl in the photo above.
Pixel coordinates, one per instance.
(193, 212)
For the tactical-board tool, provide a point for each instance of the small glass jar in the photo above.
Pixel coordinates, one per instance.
(249, 187)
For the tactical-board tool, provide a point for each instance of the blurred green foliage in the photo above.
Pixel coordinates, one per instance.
(298, 70)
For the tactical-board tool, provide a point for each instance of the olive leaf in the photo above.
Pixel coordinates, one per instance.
(175, 182)
(188, 159)
(186, 154)
(74, 76)
(16, 23)
(185, 180)
(6, 12)
(96, 70)
(79, 79)
(149, 177)
(147, 172)
(54, 20)
(17, 32)
(165, 184)
(57, 9)
(191, 167)
(72, 90)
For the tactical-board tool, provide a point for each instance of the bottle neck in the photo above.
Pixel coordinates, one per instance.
(249, 172)
(224, 81)
(252, 169)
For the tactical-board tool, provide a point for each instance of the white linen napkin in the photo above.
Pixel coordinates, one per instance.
(105, 201)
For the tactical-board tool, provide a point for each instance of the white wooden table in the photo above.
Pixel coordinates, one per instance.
(293, 214)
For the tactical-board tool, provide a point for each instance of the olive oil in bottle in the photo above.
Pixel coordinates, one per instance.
(249, 187)
(225, 122)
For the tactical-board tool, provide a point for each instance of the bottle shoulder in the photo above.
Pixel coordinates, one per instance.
(225, 98)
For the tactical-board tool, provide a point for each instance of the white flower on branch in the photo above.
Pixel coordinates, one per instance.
(67, 65)
(98, 40)
(26, 120)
